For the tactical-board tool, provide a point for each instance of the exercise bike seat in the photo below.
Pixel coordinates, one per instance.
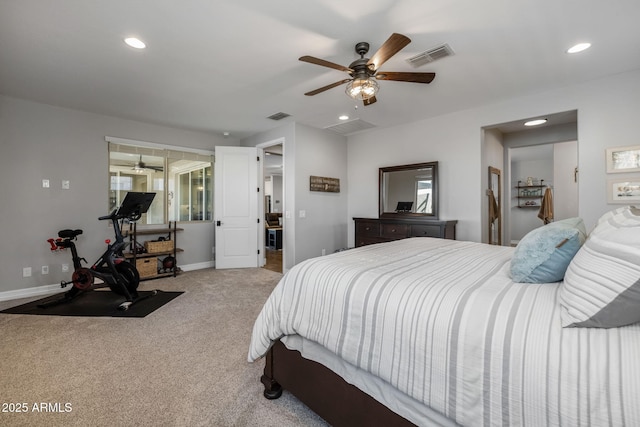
(69, 234)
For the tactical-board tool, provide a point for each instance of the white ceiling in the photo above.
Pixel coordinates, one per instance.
(225, 65)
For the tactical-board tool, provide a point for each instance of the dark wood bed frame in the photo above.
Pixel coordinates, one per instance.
(322, 390)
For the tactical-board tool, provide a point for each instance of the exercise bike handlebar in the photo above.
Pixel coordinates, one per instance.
(114, 215)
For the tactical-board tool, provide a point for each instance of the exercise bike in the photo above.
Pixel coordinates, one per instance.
(119, 275)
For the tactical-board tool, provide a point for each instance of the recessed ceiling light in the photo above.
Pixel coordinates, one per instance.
(134, 42)
(343, 117)
(535, 122)
(579, 47)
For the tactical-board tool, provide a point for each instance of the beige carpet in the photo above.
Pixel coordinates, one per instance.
(183, 365)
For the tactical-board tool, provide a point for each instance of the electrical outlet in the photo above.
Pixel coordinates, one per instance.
(45, 269)
(65, 184)
(324, 252)
(65, 268)
(45, 183)
(26, 272)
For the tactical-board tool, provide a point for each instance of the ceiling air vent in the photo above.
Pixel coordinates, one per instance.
(431, 55)
(350, 127)
(278, 116)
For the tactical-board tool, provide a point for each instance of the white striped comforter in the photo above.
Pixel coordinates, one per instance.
(441, 321)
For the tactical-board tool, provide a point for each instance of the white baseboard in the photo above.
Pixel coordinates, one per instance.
(52, 289)
(30, 292)
(198, 266)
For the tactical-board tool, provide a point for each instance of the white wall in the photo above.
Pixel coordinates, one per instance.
(324, 227)
(276, 190)
(39, 142)
(607, 111)
(565, 190)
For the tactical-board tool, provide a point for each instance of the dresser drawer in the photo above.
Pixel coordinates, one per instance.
(364, 241)
(370, 230)
(394, 231)
(367, 229)
(426, 231)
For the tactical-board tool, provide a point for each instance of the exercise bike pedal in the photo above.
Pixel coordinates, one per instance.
(125, 305)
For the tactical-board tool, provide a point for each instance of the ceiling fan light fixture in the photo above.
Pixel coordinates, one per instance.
(362, 88)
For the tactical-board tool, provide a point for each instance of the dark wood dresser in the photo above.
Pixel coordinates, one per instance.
(378, 230)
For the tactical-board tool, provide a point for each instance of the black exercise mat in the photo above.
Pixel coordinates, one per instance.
(97, 303)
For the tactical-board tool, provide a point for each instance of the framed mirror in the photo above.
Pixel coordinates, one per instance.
(409, 190)
(495, 206)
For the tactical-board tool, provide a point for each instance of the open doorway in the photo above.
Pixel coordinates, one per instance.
(533, 159)
(273, 176)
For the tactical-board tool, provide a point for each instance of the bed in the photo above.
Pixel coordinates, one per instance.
(430, 331)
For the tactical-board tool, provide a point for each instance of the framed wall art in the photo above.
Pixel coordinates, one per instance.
(623, 191)
(321, 183)
(623, 159)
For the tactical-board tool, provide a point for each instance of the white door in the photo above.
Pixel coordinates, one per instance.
(236, 206)
(565, 180)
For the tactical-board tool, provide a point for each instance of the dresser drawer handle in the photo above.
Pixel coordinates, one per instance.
(393, 230)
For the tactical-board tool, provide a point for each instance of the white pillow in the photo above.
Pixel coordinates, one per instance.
(601, 287)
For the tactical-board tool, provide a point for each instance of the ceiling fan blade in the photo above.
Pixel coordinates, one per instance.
(327, 87)
(406, 77)
(318, 61)
(369, 101)
(393, 45)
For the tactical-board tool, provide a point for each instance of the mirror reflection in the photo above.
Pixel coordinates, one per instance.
(409, 190)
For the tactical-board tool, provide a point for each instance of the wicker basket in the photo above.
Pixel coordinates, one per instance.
(154, 247)
(147, 267)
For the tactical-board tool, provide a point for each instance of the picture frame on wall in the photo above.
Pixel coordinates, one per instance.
(623, 191)
(623, 159)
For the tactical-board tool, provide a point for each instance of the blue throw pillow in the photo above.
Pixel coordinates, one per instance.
(543, 255)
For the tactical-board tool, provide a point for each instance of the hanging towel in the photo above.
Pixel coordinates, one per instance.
(546, 207)
(494, 212)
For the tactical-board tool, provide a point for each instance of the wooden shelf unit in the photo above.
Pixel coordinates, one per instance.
(146, 263)
(530, 196)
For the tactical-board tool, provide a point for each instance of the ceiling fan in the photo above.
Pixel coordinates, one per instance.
(365, 71)
(140, 166)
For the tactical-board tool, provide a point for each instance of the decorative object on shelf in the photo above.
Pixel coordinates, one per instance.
(623, 191)
(530, 195)
(623, 159)
(149, 259)
(321, 183)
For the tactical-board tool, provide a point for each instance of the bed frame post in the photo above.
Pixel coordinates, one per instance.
(272, 390)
